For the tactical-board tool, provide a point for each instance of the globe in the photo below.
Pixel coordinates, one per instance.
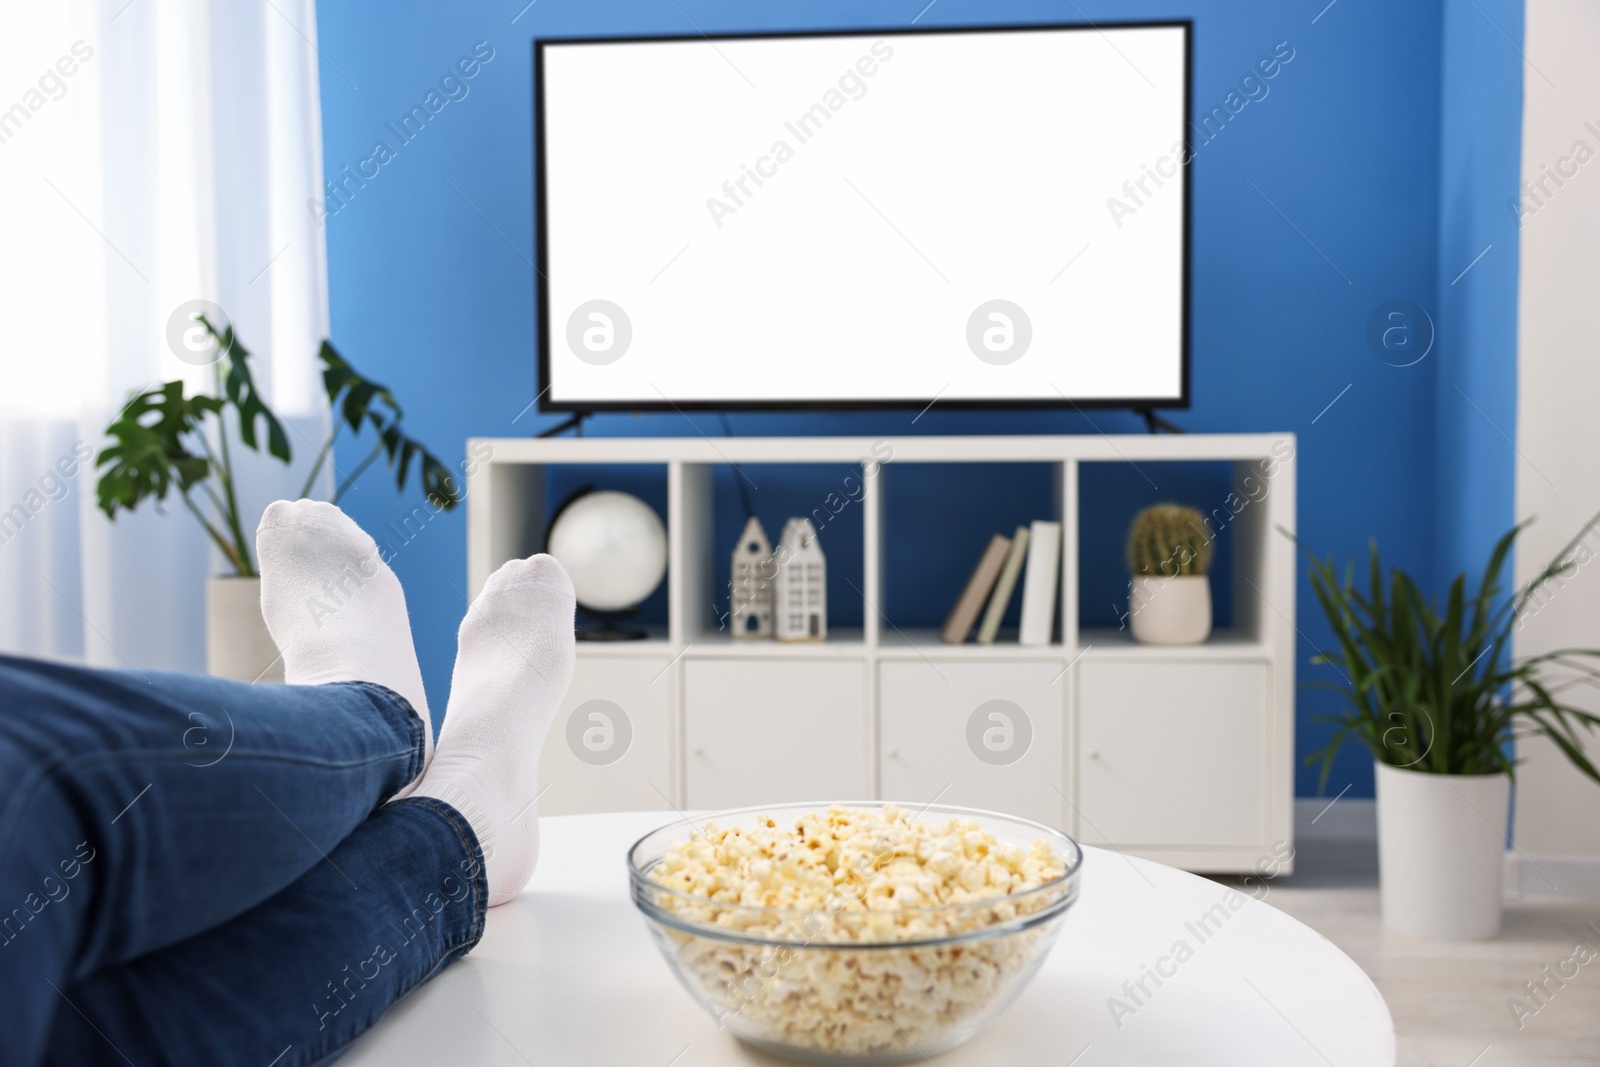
(613, 546)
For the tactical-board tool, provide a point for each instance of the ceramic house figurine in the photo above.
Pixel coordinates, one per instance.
(800, 586)
(752, 584)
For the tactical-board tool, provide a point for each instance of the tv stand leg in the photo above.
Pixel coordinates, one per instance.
(1156, 424)
(572, 422)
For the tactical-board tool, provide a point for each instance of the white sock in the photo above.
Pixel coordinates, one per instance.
(513, 667)
(334, 608)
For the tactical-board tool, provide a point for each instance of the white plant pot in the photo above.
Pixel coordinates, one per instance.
(1441, 852)
(1170, 611)
(238, 645)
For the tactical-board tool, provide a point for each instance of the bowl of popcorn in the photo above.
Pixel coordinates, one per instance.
(863, 933)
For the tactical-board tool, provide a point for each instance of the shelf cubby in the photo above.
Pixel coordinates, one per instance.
(1111, 494)
(528, 496)
(831, 495)
(937, 520)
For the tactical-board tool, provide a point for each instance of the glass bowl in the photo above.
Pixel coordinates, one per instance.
(835, 985)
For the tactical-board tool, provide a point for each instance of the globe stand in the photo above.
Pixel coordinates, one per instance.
(608, 630)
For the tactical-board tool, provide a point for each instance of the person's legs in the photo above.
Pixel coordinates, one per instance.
(296, 980)
(141, 808)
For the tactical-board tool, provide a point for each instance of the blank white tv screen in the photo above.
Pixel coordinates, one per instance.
(973, 218)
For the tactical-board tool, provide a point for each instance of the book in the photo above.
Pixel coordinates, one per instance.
(1004, 586)
(1039, 584)
(965, 612)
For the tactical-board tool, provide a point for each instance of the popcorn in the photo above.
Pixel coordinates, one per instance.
(855, 877)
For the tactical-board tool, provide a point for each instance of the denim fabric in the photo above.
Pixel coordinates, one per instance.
(295, 980)
(141, 809)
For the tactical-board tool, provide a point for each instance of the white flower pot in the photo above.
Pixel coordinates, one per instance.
(238, 645)
(1170, 611)
(1441, 852)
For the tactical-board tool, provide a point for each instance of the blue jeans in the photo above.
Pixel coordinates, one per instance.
(198, 871)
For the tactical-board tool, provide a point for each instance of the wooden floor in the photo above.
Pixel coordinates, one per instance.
(1451, 1001)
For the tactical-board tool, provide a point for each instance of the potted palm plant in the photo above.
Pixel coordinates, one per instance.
(1436, 696)
(1169, 552)
(166, 443)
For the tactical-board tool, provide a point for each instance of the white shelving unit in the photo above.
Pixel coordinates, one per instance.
(1184, 755)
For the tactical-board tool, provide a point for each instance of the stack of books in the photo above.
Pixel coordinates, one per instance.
(1031, 554)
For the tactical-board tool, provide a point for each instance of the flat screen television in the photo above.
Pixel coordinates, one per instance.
(988, 217)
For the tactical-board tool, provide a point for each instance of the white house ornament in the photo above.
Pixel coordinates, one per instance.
(800, 584)
(752, 575)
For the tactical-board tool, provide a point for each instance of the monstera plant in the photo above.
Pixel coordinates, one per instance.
(167, 443)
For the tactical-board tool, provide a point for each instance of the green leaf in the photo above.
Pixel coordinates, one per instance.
(240, 388)
(149, 457)
(1430, 686)
(361, 402)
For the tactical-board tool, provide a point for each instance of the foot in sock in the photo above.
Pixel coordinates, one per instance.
(512, 669)
(334, 608)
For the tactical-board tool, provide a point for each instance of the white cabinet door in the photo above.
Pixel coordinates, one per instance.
(980, 735)
(1172, 753)
(609, 747)
(771, 731)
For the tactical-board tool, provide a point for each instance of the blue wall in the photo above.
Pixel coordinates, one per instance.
(1476, 373)
(1317, 204)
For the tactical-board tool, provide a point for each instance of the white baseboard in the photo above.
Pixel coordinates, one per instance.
(1526, 877)
(1326, 819)
(1566, 877)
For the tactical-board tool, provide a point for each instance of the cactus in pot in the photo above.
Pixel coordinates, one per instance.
(1169, 540)
(1169, 552)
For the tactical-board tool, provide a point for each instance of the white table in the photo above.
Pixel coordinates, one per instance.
(567, 975)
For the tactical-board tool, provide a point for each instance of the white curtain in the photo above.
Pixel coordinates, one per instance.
(152, 152)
